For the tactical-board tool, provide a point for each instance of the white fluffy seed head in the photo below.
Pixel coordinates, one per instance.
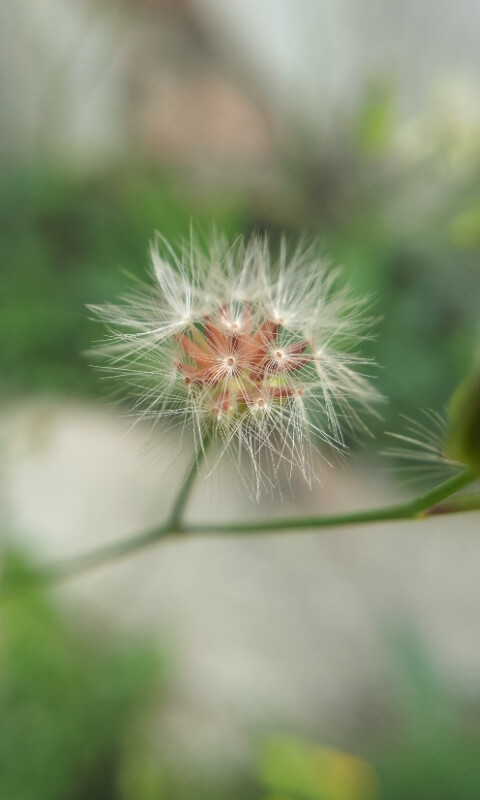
(262, 353)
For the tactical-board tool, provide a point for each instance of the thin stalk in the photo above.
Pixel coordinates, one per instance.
(103, 555)
(183, 495)
(411, 509)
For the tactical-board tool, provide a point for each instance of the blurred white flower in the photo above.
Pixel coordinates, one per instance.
(261, 355)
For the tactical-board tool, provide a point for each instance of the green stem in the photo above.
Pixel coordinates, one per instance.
(173, 525)
(103, 555)
(411, 509)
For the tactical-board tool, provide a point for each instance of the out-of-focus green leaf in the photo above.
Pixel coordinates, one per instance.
(465, 227)
(376, 121)
(463, 443)
(279, 797)
(311, 772)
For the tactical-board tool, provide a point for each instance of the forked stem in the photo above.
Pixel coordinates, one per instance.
(432, 501)
(104, 555)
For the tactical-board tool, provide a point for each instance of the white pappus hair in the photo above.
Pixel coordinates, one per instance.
(259, 354)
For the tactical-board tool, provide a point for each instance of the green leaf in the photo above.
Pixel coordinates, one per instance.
(463, 442)
(376, 120)
(307, 771)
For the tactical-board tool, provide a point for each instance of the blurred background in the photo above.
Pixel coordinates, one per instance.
(339, 666)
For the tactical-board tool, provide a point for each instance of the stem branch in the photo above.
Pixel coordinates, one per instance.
(411, 509)
(103, 555)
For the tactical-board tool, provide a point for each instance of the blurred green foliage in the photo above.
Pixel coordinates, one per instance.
(67, 241)
(426, 297)
(305, 771)
(376, 119)
(67, 700)
(430, 752)
(74, 708)
(434, 751)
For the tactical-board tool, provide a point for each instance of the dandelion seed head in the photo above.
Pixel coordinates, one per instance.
(262, 353)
